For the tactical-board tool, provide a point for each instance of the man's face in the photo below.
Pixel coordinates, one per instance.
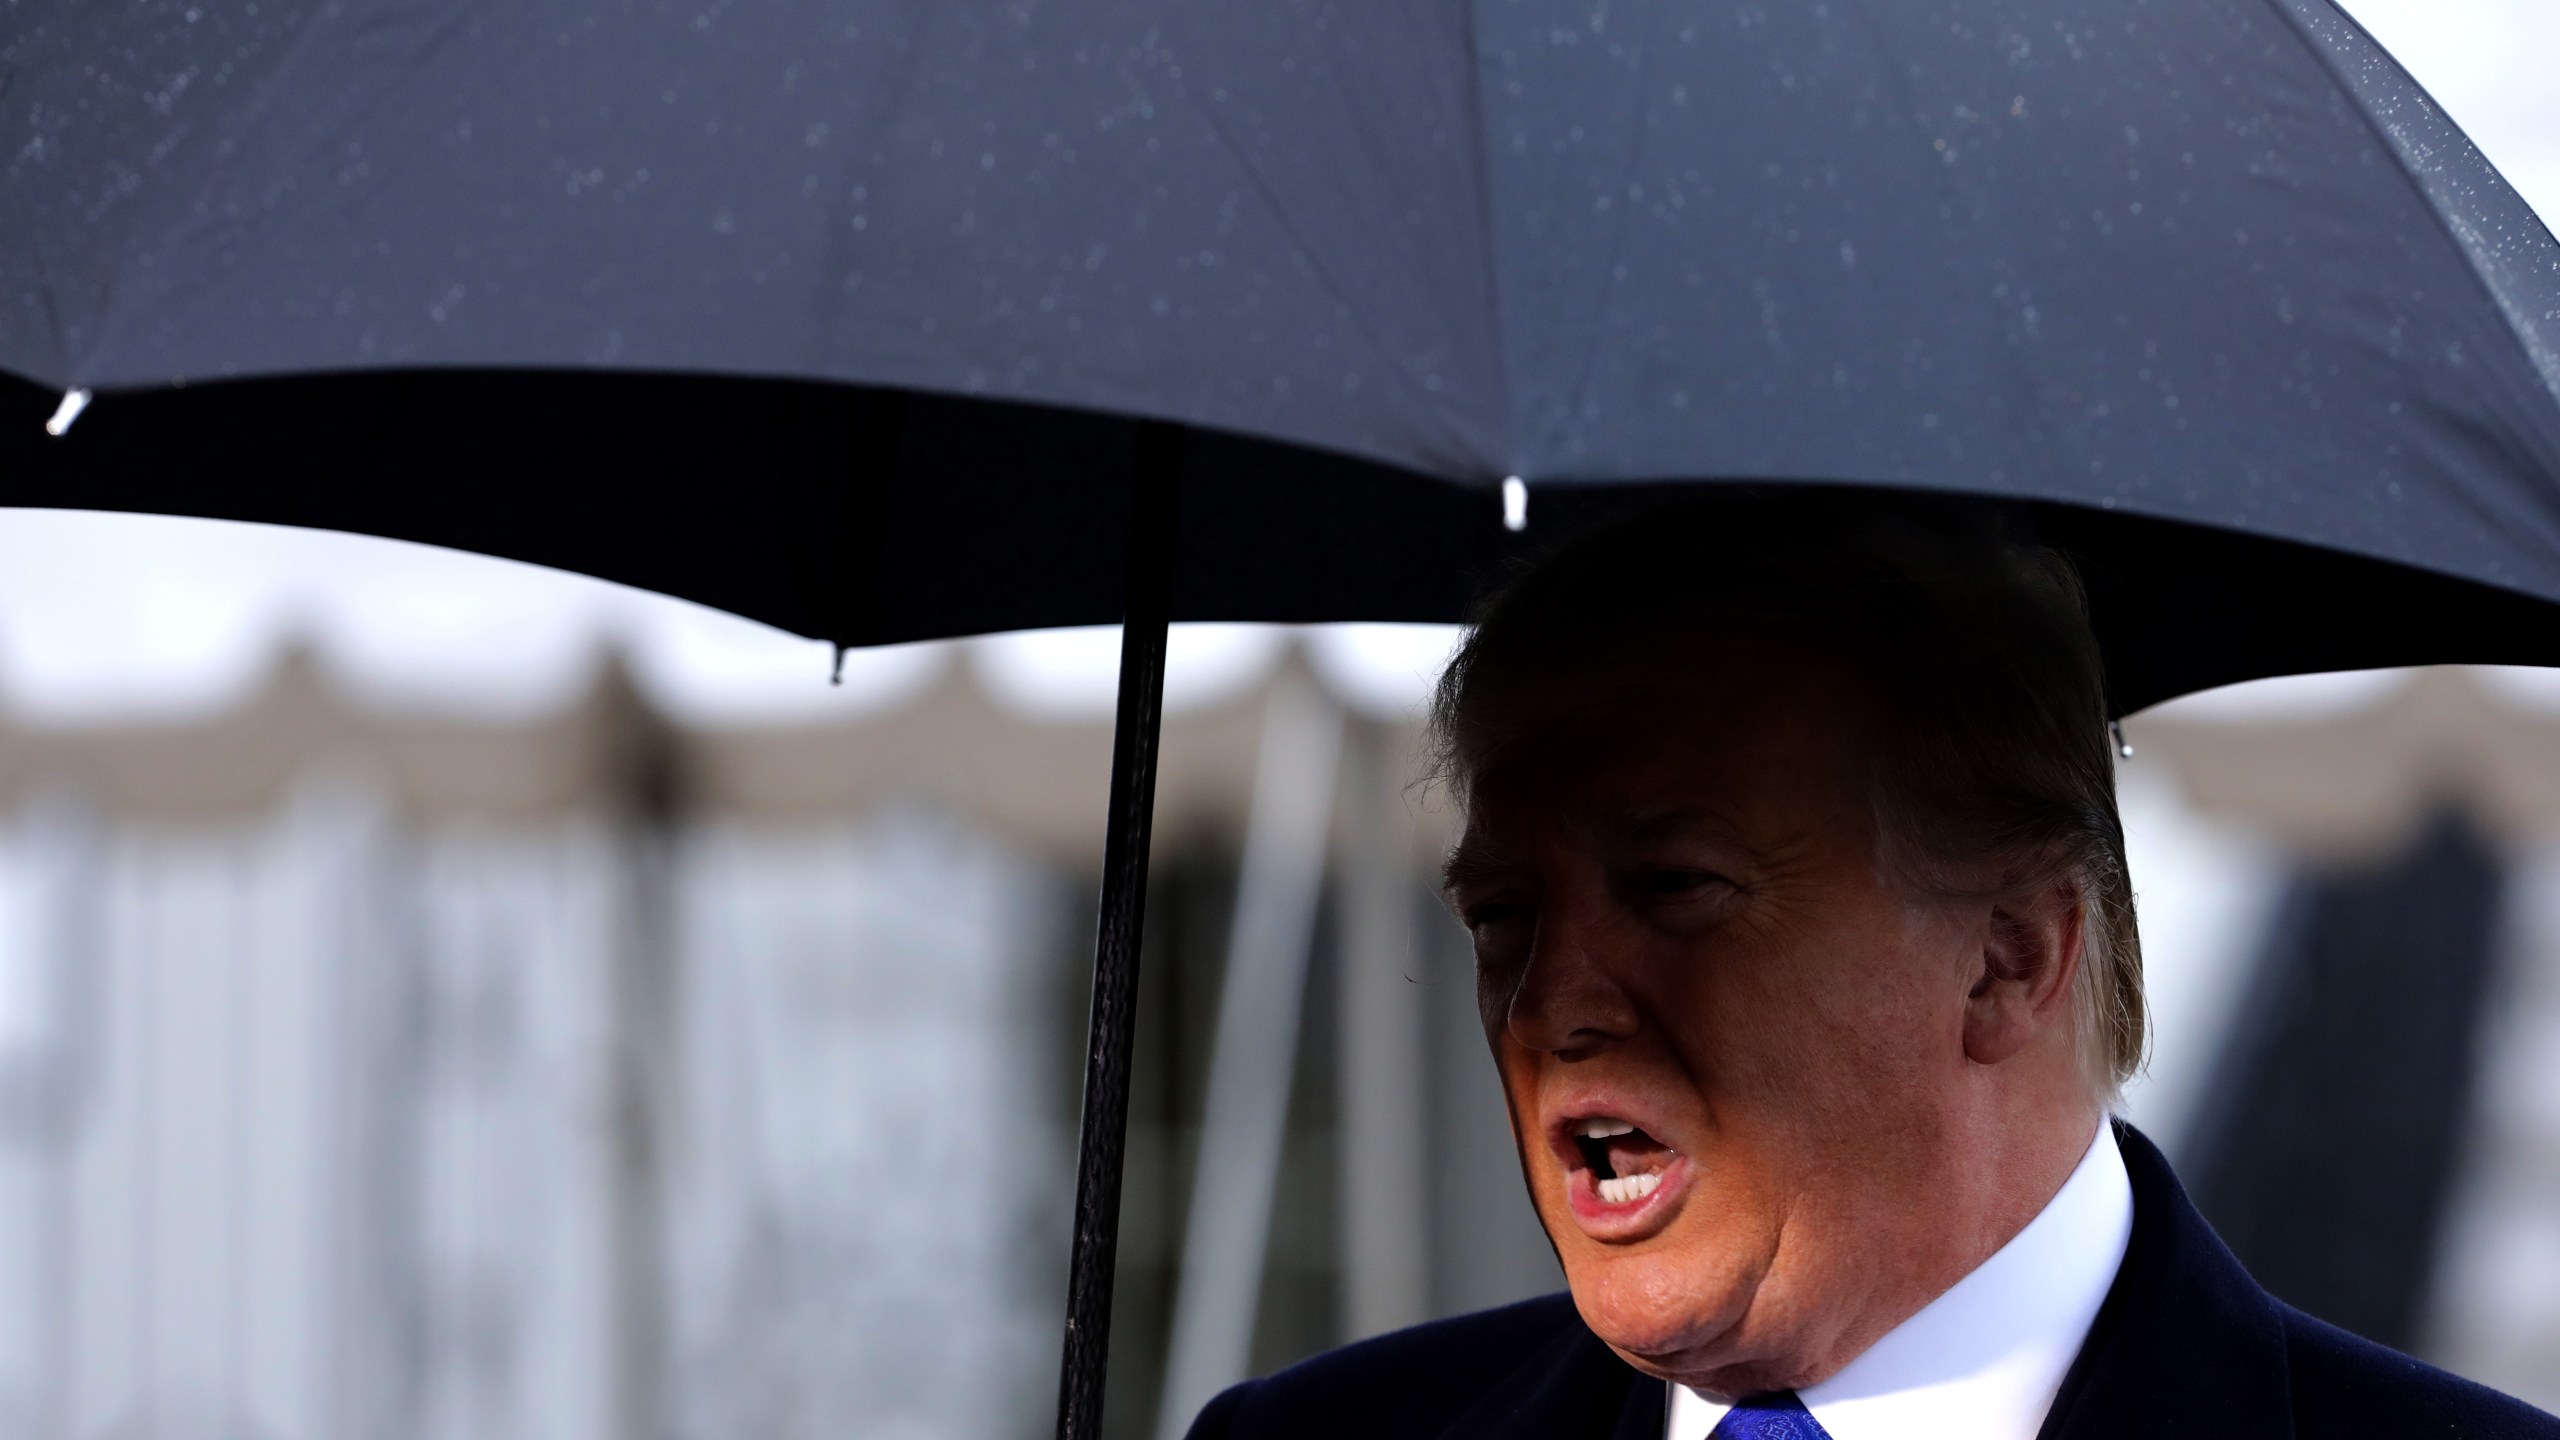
(1732, 1044)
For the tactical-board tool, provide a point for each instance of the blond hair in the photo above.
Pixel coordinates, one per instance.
(1996, 772)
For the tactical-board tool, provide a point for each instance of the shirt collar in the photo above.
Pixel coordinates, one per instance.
(1983, 1360)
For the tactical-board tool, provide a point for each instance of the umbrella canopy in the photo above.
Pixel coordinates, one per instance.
(870, 318)
(535, 268)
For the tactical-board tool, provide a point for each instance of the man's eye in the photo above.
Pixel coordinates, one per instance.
(1672, 883)
(1493, 912)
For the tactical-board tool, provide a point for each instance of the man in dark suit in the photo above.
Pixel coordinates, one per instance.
(1806, 952)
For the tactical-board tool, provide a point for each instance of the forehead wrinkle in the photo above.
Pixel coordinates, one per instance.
(1775, 844)
(1696, 820)
(1480, 859)
(1676, 823)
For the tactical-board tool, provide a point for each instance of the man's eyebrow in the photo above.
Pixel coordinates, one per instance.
(1466, 867)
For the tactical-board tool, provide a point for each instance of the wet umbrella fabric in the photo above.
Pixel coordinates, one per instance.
(2201, 261)
(859, 317)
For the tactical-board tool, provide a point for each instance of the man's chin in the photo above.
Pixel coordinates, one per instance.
(1664, 1317)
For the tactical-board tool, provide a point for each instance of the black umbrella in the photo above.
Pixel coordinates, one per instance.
(860, 316)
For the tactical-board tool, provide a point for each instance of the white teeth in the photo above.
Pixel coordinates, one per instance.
(1602, 1129)
(1627, 1189)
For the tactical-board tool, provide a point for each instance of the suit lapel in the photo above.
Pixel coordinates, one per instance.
(1645, 1410)
(2186, 1343)
(1575, 1388)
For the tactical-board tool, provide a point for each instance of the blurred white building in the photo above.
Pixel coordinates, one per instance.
(360, 1110)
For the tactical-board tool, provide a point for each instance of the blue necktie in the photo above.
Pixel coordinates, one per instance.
(1778, 1415)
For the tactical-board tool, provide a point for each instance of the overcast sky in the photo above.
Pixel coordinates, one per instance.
(114, 615)
(2491, 64)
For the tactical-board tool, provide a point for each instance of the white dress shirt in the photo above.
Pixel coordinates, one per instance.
(1984, 1360)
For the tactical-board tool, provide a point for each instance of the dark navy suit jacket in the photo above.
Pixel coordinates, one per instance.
(2186, 1345)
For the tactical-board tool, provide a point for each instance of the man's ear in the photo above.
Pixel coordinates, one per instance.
(2022, 988)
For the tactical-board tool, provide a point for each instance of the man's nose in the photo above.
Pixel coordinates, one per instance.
(1569, 1000)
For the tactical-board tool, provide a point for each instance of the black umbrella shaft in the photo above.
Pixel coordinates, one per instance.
(1145, 614)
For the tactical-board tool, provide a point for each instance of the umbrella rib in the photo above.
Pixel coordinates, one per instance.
(1465, 452)
(2540, 356)
(1146, 615)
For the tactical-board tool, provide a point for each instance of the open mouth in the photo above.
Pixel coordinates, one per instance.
(1625, 1164)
